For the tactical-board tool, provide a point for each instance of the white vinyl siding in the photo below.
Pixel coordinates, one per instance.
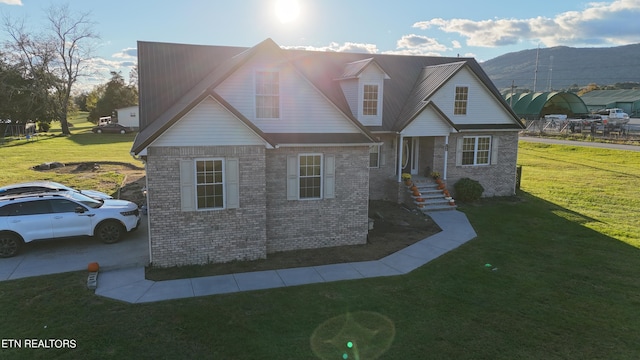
(208, 123)
(427, 123)
(303, 109)
(482, 106)
(209, 184)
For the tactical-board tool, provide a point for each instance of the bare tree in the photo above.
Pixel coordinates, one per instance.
(57, 57)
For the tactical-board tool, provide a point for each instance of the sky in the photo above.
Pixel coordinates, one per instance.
(469, 28)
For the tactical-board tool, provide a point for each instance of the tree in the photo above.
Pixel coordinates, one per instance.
(21, 99)
(57, 58)
(106, 98)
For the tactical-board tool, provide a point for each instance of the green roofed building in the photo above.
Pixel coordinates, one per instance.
(533, 106)
(627, 100)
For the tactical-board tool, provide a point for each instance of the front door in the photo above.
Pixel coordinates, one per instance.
(410, 155)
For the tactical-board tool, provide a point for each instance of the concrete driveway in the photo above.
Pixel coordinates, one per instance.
(72, 254)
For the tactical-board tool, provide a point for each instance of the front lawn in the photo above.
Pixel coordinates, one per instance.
(562, 284)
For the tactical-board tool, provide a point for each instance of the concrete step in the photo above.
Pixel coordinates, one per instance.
(432, 208)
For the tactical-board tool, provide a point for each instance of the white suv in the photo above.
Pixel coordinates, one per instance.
(28, 217)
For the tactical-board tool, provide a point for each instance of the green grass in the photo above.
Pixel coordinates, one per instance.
(565, 286)
(19, 155)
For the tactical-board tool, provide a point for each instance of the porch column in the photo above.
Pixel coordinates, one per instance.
(446, 156)
(400, 148)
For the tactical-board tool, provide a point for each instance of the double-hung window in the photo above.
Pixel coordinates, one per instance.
(370, 100)
(267, 95)
(374, 156)
(476, 150)
(209, 184)
(460, 102)
(310, 176)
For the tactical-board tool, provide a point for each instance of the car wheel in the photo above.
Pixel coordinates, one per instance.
(9, 244)
(109, 232)
(99, 131)
(122, 131)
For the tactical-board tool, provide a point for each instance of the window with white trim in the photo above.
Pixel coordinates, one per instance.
(476, 150)
(310, 176)
(267, 95)
(374, 156)
(460, 103)
(370, 100)
(209, 184)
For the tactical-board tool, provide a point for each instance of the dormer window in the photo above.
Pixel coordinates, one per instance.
(267, 95)
(362, 83)
(370, 100)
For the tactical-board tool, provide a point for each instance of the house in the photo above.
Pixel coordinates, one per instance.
(250, 151)
(129, 116)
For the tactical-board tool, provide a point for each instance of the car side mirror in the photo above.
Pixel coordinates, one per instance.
(80, 210)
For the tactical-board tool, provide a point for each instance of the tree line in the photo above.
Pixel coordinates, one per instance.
(39, 72)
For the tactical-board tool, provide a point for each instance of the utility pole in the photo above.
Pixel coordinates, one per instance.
(550, 70)
(535, 72)
(513, 90)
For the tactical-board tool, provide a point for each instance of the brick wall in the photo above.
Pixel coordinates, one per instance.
(383, 180)
(199, 237)
(306, 224)
(498, 179)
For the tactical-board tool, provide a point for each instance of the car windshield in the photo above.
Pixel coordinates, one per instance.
(86, 200)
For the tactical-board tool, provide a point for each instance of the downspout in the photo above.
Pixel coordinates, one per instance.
(400, 147)
(446, 157)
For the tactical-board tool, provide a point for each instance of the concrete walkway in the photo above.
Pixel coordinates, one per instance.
(129, 285)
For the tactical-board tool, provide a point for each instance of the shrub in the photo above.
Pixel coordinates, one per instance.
(43, 126)
(468, 190)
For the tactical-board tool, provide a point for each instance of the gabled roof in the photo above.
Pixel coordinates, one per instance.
(353, 70)
(173, 78)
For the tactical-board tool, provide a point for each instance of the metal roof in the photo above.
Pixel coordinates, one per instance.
(175, 77)
(536, 105)
(604, 97)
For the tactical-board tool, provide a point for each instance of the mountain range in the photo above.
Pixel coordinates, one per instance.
(562, 67)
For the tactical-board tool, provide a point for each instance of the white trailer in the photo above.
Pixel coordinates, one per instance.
(129, 117)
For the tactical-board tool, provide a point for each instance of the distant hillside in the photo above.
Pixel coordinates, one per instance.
(569, 66)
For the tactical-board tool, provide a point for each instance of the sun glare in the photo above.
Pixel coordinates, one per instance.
(287, 10)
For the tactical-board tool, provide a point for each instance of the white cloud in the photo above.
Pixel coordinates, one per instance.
(11, 2)
(420, 42)
(599, 23)
(335, 47)
(456, 44)
(128, 53)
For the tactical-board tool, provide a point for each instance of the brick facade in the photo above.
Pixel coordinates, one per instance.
(498, 179)
(266, 221)
(307, 224)
(199, 237)
(383, 179)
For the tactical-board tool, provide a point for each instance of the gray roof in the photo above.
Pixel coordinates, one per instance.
(175, 77)
(604, 97)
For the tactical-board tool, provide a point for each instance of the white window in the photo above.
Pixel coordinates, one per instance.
(209, 184)
(267, 95)
(310, 176)
(370, 100)
(374, 156)
(476, 150)
(460, 103)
